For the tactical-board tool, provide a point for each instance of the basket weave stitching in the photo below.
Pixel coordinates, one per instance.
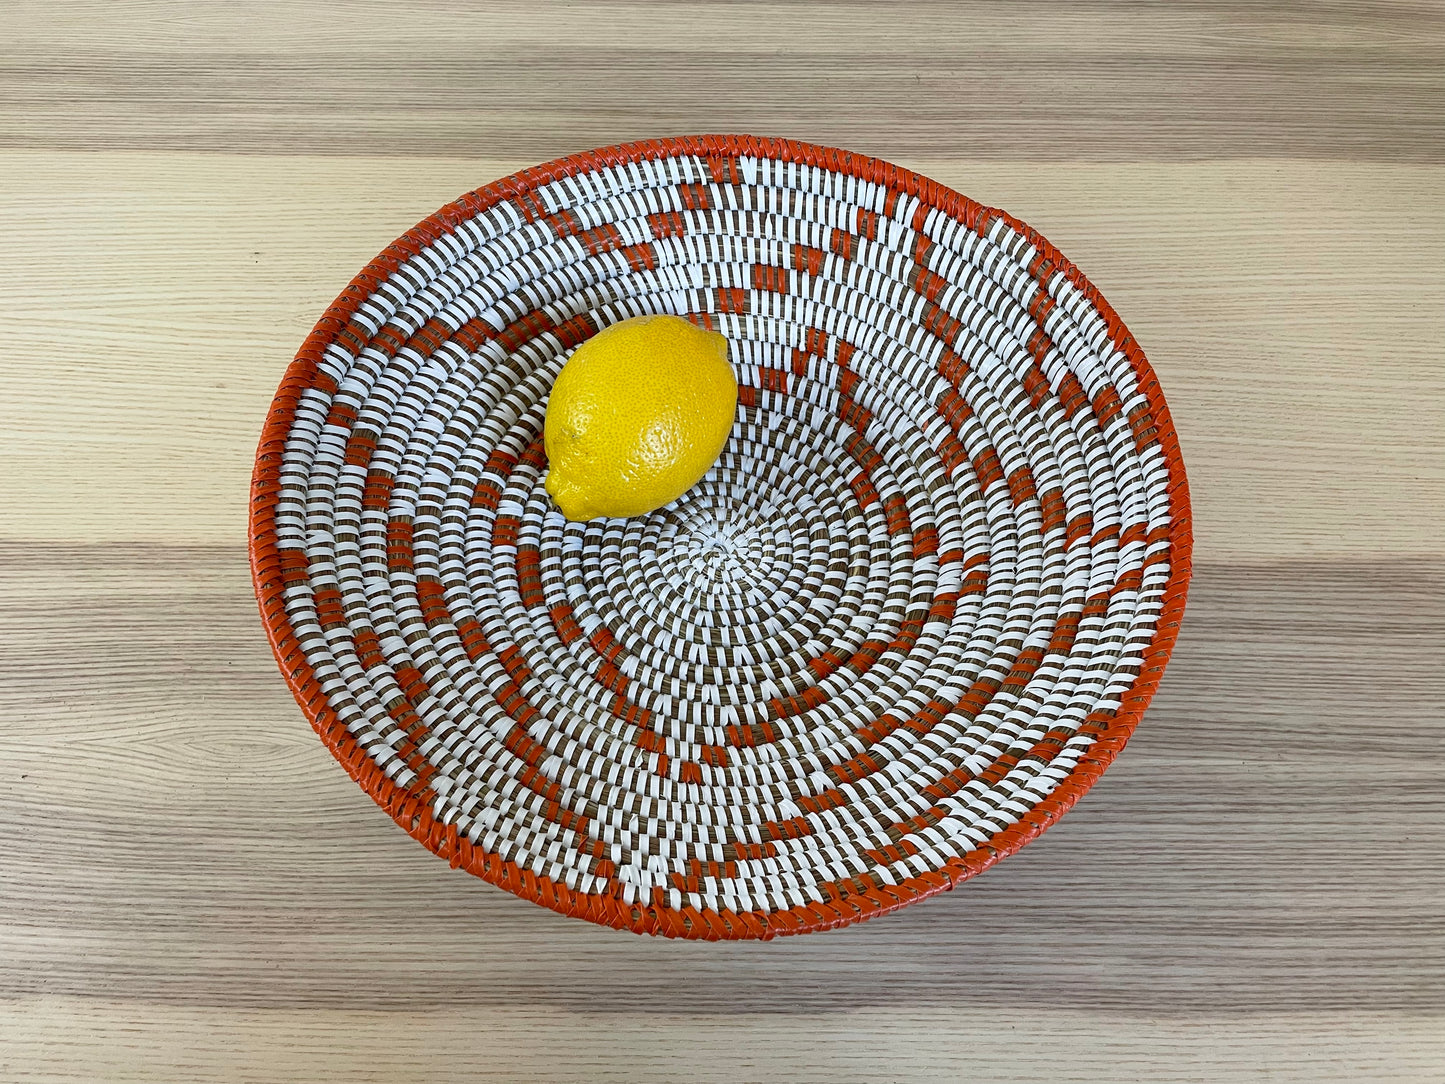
(915, 611)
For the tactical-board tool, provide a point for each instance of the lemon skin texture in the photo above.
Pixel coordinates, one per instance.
(637, 416)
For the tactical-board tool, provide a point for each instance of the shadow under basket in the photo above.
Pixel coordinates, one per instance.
(912, 613)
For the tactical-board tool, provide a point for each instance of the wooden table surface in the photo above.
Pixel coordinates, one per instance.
(192, 890)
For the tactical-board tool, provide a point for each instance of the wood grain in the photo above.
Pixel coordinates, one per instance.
(191, 889)
(1115, 80)
(127, 1042)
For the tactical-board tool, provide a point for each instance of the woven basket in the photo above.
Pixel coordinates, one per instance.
(909, 617)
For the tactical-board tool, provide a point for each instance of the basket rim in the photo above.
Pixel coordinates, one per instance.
(415, 817)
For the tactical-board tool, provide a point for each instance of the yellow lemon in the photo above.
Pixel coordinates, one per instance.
(637, 415)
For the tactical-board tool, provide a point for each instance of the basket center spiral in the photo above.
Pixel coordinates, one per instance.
(849, 667)
(723, 556)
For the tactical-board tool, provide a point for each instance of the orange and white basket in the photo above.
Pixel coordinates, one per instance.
(909, 617)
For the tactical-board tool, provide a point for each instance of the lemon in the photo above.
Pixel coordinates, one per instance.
(637, 415)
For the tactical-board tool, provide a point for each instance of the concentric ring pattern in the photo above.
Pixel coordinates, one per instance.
(910, 615)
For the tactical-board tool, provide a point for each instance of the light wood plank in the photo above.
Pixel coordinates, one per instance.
(1110, 80)
(1290, 308)
(126, 1042)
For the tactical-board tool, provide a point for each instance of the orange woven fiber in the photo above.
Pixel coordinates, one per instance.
(909, 617)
